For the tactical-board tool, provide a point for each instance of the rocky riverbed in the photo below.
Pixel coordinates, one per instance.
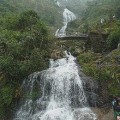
(103, 113)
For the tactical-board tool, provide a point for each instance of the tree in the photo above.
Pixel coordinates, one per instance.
(25, 47)
(27, 19)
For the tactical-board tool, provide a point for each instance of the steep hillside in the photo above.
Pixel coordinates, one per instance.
(48, 10)
(95, 13)
(6, 7)
(101, 9)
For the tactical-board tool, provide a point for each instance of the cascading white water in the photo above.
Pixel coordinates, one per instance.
(57, 3)
(60, 95)
(68, 16)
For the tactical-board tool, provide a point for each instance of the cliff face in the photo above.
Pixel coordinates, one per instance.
(96, 92)
(98, 41)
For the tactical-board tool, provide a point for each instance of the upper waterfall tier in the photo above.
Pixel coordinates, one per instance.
(68, 16)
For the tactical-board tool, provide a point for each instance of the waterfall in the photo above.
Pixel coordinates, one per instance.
(55, 94)
(68, 16)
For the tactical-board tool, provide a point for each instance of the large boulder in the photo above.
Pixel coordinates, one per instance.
(96, 92)
(56, 54)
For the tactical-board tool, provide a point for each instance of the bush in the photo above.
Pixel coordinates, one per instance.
(107, 71)
(114, 39)
(26, 50)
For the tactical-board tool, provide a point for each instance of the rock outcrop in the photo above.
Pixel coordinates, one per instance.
(56, 54)
(96, 92)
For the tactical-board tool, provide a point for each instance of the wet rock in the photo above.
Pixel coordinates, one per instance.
(103, 113)
(118, 59)
(56, 54)
(91, 89)
(96, 92)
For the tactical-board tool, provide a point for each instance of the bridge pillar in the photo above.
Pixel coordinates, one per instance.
(98, 41)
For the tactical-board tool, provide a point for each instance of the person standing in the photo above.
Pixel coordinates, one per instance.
(116, 108)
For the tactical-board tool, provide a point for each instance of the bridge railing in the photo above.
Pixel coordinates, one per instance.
(72, 36)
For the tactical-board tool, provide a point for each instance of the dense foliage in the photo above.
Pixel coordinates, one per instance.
(25, 44)
(102, 16)
(96, 13)
(47, 10)
(101, 9)
(24, 49)
(103, 68)
(114, 38)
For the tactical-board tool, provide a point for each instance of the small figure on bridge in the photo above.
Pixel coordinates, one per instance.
(76, 33)
(102, 20)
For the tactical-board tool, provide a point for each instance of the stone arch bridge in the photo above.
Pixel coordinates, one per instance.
(74, 37)
(97, 41)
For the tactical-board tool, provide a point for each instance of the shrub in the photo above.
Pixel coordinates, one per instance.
(114, 39)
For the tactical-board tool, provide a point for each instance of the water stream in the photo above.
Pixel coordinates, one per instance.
(68, 16)
(55, 94)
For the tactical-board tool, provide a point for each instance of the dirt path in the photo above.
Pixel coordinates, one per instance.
(103, 113)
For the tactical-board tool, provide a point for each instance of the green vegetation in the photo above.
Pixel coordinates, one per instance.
(90, 19)
(101, 9)
(24, 48)
(103, 68)
(114, 39)
(25, 43)
(47, 10)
